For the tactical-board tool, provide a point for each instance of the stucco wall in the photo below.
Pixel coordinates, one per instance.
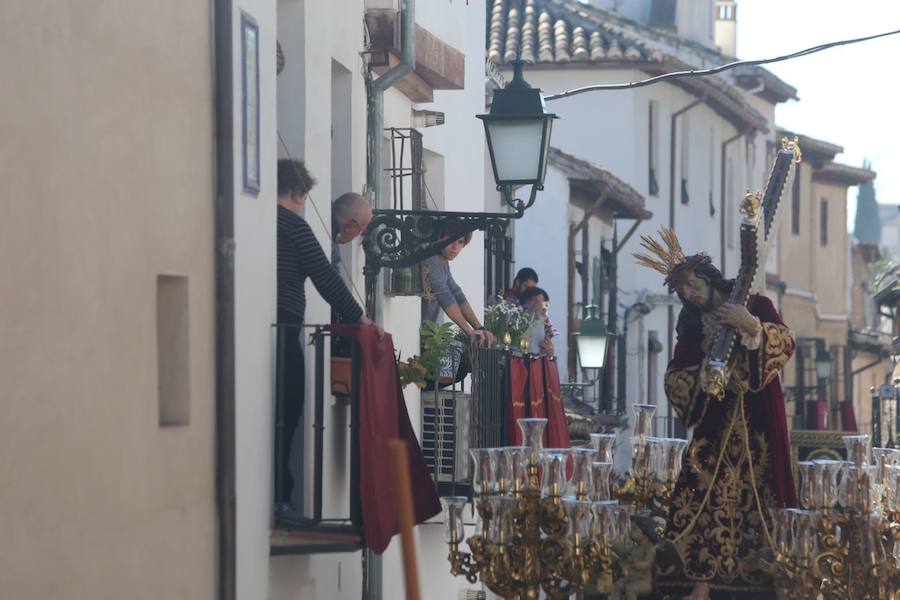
(796, 253)
(254, 233)
(107, 182)
(831, 259)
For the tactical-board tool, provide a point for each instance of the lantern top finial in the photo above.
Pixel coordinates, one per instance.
(518, 81)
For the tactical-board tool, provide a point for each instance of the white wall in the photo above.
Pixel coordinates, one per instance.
(460, 141)
(541, 243)
(254, 313)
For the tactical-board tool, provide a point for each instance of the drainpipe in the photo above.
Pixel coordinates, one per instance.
(670, 312)
(725, 144)
(223, 208)
(375, 119)
(372, 564)
(672, 126)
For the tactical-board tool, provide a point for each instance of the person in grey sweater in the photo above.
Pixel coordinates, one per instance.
(444, 294)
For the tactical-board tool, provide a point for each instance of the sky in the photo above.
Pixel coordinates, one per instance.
(849, 95)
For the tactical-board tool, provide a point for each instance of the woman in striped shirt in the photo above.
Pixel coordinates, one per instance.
(300, 256)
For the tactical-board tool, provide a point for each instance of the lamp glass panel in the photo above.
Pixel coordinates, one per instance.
(516, 148)
(823, 369)
(592, 351)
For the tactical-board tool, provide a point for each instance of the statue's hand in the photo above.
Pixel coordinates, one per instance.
(737, 316)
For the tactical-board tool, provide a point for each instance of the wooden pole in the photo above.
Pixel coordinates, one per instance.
(405, 518)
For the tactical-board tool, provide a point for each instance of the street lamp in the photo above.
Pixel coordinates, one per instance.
(518, 137)
(592, 339)
(823, 364)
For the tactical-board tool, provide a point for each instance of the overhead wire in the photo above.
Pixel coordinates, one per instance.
(714, 70)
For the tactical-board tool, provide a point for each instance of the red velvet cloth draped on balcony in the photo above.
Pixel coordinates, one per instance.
(535, 382)
(382, 417)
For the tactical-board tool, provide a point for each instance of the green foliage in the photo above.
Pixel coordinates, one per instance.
(436, 344)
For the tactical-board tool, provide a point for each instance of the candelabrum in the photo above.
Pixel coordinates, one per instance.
(547, 520)
(843, 543)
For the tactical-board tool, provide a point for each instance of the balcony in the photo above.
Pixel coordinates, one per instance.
(454, 419)
(308, 532)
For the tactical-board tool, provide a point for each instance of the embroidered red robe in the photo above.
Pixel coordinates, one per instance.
(738, 461)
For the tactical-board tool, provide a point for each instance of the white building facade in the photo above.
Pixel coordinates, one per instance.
(690, 147)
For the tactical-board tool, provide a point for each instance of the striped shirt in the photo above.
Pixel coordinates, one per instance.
(300, 256)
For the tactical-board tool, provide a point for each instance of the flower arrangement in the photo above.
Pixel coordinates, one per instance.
(508, 322)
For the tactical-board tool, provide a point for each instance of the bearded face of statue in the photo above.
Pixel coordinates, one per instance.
(697, 291)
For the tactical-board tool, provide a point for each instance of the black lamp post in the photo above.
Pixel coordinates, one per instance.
(518, 137)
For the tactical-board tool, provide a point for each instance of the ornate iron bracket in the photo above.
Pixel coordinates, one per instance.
(402, 238)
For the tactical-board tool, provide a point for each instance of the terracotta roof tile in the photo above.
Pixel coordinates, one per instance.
(567, 31)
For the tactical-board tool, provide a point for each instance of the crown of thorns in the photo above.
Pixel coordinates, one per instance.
(668, 258)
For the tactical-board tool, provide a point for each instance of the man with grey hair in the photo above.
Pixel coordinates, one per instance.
(350, 215)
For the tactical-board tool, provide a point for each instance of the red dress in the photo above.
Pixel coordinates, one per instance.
(737, 465)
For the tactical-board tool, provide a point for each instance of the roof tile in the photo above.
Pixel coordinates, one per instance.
(566, 31)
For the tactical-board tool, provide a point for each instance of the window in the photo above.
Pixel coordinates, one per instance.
(726, 11)
(685, 162)
(823, 222)
(795, 202)
(498, 259)
(652, 147)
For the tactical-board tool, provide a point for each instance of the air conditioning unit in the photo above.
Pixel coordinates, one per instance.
(446, 424)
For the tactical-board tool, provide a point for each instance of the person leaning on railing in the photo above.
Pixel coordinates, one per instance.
(443, 293)
(300, 256)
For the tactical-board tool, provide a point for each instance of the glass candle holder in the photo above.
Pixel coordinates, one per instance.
(605, 445)
(454, 527)
(884, 458)
(855, 490)
(859, 449)
(517, 462)
(871, 549)
(600, 472)
(502, 470)
(805, 529)
(580, 519)
(553, 476)
(671, 464)
(781, 530)
(603, 527)
(807, 483)
(643, 419)
(622, 519)
(484, 470)
(500, 527)
(642, 455)
(581, 482)
(533, 437)
(825, 477)
(892, 491)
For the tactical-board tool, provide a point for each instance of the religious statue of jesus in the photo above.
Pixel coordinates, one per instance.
(738, 463)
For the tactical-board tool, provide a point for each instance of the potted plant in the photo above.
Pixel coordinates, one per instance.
(441, 355)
